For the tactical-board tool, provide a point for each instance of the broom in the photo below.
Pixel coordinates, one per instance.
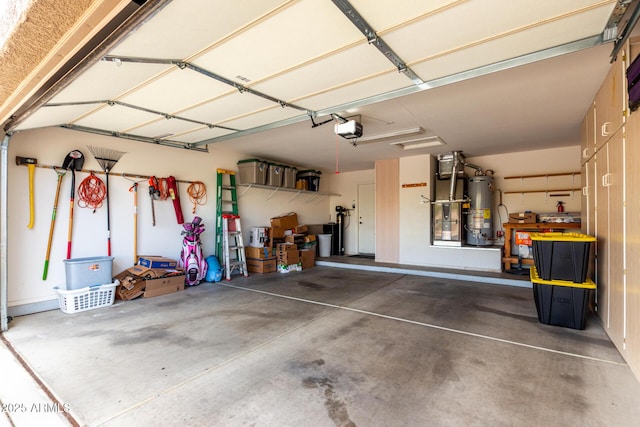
(107, 159)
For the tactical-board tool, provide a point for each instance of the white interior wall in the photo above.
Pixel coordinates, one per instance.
(50, 146)
(535, 162)
(415, 227)
(346, 184)
(27, 247)
(415, 214)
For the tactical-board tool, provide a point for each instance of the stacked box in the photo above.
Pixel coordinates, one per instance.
(287, 254)
(287, 221)
(261, 266)
(308, 258)
(258, 236)
(156, 262)
(562, 256)
(149, 282)
(258, 253)
(561, 303)
(523, 218)
(296, 239)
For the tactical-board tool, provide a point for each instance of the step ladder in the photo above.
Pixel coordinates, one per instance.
(233, 246)
(226, 203)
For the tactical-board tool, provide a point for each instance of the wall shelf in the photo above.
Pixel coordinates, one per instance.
(313, 195)
(545, 175)
(560, 190)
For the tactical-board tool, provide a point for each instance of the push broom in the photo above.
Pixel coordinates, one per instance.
(107, 159)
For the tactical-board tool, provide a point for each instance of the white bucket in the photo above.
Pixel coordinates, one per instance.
(325, 244)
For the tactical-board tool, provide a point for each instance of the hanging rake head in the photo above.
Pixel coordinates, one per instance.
(106, 157)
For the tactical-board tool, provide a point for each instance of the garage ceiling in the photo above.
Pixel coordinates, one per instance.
(271, 78)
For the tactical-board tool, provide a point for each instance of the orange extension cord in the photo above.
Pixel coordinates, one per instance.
(163, 188)
(91, 192)
(197, 194)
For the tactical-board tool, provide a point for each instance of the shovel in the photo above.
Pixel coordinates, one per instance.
(31, 164)
(73, 162)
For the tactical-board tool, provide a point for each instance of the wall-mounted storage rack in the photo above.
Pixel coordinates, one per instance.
(560, 190)
(544, 175)
(546, 190)
(313, 195)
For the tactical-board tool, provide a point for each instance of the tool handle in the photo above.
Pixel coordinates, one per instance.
(31, 168)
(53, 222)
(46, 269)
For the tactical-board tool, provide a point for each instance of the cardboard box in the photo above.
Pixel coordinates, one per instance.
(523, 218)
(150, 282)
(276, 232)
(296, 239)
(287, 221)
(310, 238)
(156, 262)
(264, 265)
(288, 257)
(301, 229)
(130, 289)
(163, 286)
(258, 253)
(308, 258)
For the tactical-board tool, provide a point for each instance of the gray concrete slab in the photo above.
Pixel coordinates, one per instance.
(329, 347)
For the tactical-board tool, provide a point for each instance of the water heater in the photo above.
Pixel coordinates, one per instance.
(479, 225)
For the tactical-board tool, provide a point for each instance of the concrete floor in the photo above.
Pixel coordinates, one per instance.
(325, 347)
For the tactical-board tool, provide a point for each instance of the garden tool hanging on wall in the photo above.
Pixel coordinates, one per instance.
(31, 164)
(134, 189)
(107, 159)
(154, 194)
(175, 197)
(60, 173)
(73, 162)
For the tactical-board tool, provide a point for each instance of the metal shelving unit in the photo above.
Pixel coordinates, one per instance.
(313, 195)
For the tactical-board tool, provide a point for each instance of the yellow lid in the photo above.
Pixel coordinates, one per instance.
(563, 237)
(533, 274)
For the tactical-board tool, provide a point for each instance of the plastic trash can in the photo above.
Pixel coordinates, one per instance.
(325, 244)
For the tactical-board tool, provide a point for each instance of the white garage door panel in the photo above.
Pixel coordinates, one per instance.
(228, 107)
(300, 32)
(429, 40)
(271, 115)
(54, 116)
(381, 17)
(353, 64)
(115, 118)
(162, 127)
(370, 87)
(535, 39)
(107, 80)
(176, 91)
(200, 134)
(185, 27)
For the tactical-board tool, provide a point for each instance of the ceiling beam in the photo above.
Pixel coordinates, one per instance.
(373, 39)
